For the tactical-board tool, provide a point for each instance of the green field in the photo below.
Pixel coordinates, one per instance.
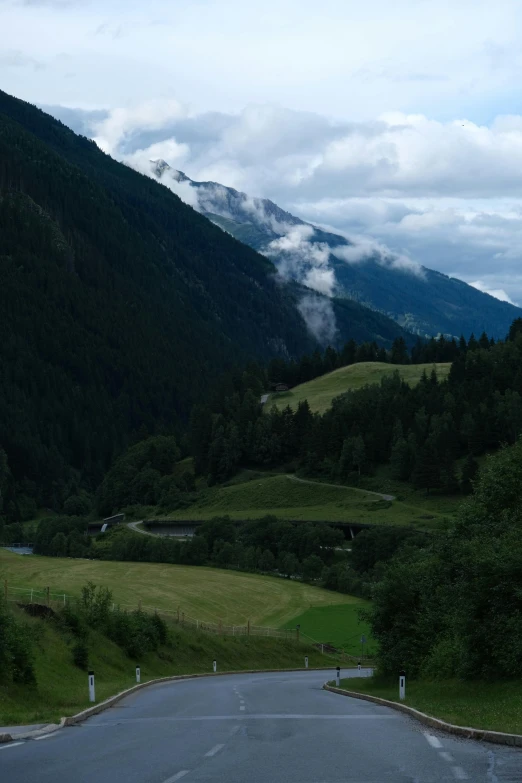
(496, 706)
(202, 593)
(338, 625)
(289, 497)
(321, 391)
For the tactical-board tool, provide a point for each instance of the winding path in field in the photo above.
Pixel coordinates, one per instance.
(255, 728)
(339, 486)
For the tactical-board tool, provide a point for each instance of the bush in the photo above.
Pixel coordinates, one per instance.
(16, 649)
(80, 653)
(136, 632)
(77, 505)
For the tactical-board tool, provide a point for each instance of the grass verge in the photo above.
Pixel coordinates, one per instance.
(496, 706)
(62, 687)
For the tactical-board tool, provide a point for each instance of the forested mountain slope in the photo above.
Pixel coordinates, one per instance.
(118, 303)
(421, 300)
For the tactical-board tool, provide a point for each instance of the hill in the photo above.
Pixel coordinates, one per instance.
(207, 594)
(421, 300)
(289, 497)
(321, 391)
(60, 687)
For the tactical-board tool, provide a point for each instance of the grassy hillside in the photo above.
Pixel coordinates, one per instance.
(321, 391)
(62, 687)
(203, 593)
(289, 497)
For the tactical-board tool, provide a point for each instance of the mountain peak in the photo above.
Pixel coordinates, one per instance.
(160, 166)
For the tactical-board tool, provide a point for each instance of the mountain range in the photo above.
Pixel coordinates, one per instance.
(421, 300)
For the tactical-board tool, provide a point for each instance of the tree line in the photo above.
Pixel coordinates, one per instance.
(453, 608)
(419, 431)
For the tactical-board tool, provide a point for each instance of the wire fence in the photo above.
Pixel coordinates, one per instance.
(54, 600)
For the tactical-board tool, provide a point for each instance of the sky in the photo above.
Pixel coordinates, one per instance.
(401, 122)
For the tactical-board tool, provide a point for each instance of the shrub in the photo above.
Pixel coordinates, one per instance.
(80, 653)
(16, 649)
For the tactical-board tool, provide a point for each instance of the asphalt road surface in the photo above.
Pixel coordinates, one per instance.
(253, 728)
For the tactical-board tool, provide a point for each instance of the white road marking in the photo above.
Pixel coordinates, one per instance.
(10, 745)
(177, 776)
(459, 773)
(242, 708)
(46, 736)
(214, 750)
(446, 756)
(235, 730)
(434, 741)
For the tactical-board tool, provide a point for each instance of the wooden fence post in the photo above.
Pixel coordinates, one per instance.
(248, 628)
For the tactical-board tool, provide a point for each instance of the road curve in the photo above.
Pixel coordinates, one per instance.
(253, 728)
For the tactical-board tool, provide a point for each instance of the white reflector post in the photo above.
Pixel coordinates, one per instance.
(306, 661)
(402, 685)
(338, 678)
(138, 674)
(214, 665)
(92, 696)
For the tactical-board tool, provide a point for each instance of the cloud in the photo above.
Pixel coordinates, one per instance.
(363, 249)
(14, 58)
(319, 317)
(111, 132)
(498, 293)
(404, 189)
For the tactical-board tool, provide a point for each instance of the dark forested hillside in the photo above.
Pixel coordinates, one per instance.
(118, 303)
(419, 431)
(118, 306)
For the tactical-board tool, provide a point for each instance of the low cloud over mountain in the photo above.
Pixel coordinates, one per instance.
(441, 194)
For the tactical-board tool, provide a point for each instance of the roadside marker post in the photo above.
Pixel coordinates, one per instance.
(92, 696)
(402, 685)
(306, 661)
(214, 666)
(138, 674)
(338, 676)
(359, 666)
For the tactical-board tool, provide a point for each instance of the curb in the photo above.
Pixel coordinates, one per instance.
(483, 735)
(72, 720)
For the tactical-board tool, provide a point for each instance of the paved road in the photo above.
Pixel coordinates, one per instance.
(134, 526)
(253, 728)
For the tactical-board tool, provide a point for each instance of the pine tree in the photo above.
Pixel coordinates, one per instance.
(426, 472)
(469, 472)
(400, 460)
